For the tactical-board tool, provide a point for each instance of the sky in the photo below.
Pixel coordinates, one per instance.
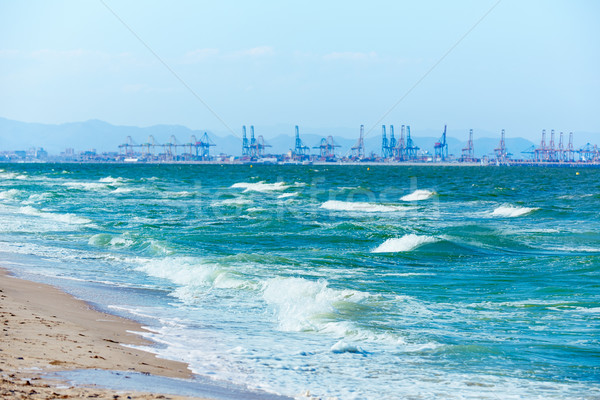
(522, 66)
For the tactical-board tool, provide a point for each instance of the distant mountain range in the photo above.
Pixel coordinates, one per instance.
(105, 137)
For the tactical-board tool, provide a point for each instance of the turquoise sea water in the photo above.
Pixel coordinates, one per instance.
(348, 282)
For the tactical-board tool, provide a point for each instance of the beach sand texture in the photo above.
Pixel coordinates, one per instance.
(46, 330)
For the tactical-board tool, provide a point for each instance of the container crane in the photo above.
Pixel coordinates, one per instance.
(441, 147)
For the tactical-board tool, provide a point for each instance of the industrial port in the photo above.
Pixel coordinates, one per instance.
(397, 147)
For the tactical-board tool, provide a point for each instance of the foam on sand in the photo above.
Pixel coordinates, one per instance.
(512, 211)
(337, 205)
(417, 195)
(404, 244)
(260, 186)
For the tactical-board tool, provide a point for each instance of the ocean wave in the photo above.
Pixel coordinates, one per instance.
(86, 185)
(183, 193)
(288, 195)
(69, 219)
(303, 305)
(336, 205)
(345, 347)
(9, 194)
(191, 274)
(576, 249)
(106, 239)
(112, 181)
(256, 209)
(260, 186)
(122, 190)
(417, 195)
(512, 211)
(38, 198)
(238, 201)
(9, 176)
(405, 243)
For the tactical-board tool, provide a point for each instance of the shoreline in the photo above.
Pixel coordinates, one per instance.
(45, 330)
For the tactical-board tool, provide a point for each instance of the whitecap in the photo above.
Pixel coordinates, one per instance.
(344, 347)
(287, 195)
(9, 194)
(106, 239)
(122, 190)
(260, 186)
(86, 185)
(403, 244)
(112, 181)
(238, 201)
(512, 211)
(300, 304)
(579, 249)
(13, 176)
(336, 205)
(37, 198)
(70, 219)
(191, 274)
(417, 195)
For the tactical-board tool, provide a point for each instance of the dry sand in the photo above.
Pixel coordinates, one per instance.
(46, 330)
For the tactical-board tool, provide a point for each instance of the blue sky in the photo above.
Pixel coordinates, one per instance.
(526, 66)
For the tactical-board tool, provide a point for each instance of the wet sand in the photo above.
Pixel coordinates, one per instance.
(46, 330)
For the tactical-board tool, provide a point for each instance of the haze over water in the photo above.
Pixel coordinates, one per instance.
(352, 282)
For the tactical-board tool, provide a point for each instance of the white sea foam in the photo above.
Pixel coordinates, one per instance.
(112, 181)
(288, 195)
(70, 219)
(37, 198)
(9, 194)
(336, 205)
(238, 201)
(255, 209)
(303, 305)
(260, 186)
(417, 195)
(577, 249)
(404, 243)
(190, 273)
(13, 176)
(122, 190)
(183, 193)
(344, 347)
(86, 185)
(106, 239)
(511, 211)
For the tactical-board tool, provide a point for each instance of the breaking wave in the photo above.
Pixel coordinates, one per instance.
(417, 195)
(302, 305)
(9, 194)
(512, 211)
(288, 195)
(337, 205)
(260, 186)
(112, 181)
(233, 202)
(70, 219)
(403, 244)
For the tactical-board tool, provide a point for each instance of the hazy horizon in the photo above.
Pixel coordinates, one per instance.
(217, 66)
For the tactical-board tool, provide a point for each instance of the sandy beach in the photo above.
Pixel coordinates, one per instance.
(46, 330)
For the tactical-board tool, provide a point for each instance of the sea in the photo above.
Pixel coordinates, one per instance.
(330, 281)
